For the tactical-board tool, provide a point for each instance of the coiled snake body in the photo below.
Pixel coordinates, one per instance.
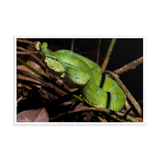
(87, 74)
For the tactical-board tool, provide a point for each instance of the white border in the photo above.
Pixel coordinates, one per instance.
(77, 123)
(12, 76)
(79, 35)
(147, 80)
(144, 78)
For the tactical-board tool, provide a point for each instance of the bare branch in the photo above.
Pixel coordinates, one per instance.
(103, 110)
(129, 66)
(18, 52)
(105, 63)
(25, 41)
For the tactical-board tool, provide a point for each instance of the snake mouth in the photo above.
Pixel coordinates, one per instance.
(54, 66)
(56, 73)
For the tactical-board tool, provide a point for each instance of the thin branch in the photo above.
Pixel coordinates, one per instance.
(27, 51)
(105, 63)
(129, 118)
(107, 111)
(21, 48)
(25, 41)
(98, 51)
(101, 119)
(18, 52)
(129, 109)
(40, 62)
(61, 115)
(129, 66)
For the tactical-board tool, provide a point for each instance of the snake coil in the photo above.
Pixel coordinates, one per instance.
(87, 74)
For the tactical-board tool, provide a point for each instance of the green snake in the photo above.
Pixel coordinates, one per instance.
(87, 75)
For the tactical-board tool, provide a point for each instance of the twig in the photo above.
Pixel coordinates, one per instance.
(129, 109)
(101, 119)
(24, 41)
(27, 51)
(28, 42)
(129, 66)
(105, 63)
(98, 51)
(18, 52)
(21, 48)
(61, 115)
(129, 118)
(40, 62)
(126, 91)
(107, 111)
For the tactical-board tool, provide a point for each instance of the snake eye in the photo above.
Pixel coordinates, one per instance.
(56, 59)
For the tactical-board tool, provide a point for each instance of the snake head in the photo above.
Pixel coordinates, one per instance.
(56, 66)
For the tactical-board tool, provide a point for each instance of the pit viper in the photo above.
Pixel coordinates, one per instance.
(87, 75)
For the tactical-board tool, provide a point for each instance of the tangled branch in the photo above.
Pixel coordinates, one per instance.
(102, 110)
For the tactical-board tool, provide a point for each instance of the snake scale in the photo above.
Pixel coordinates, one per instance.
(87, 74)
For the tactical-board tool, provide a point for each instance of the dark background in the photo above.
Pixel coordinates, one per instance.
(124, 52)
